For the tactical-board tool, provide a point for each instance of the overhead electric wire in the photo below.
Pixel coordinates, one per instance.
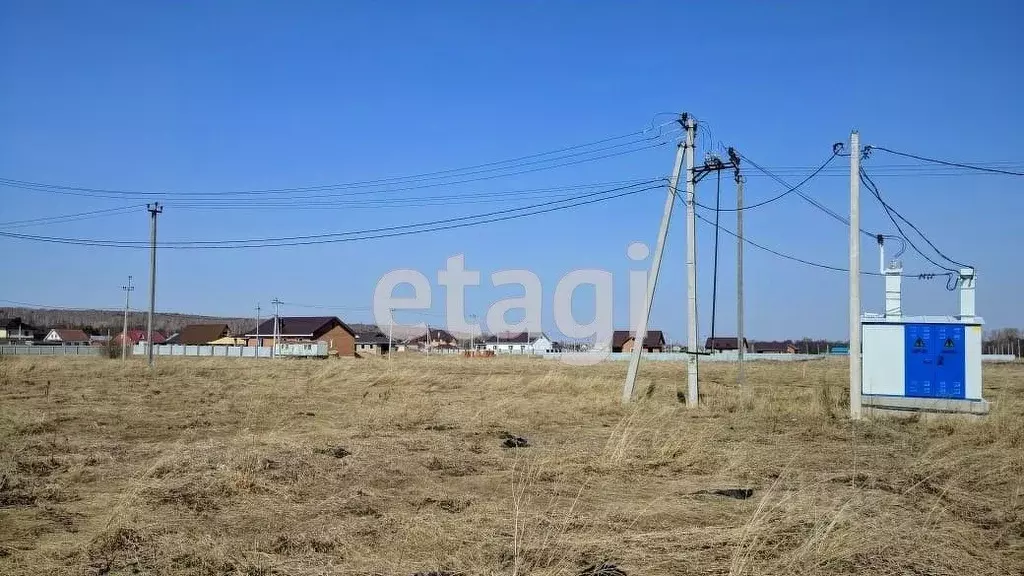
(810, 200)
(783, 194)
(357, 235)
(893, 214)
(427, 185)
(69, 217)
(965, 165)
(497, 166)
(924, 276)
(446, 200)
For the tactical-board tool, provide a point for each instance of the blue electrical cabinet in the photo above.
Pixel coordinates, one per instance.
(935, 364)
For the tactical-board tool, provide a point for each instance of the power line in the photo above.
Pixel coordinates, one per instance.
(976, 167)
(811, 201)
(498, 166)
(69, 217)
(747, 240)
(357, 235)
(893, 214)
(782, 195)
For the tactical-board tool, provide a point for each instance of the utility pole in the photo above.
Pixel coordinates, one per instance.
(124, 330)
(257, 331)
(691, 267)
(154, 209)
(740, 340)
(391, 321)
(472, 343)
(277, 328)
(855, 357)
(652, 279)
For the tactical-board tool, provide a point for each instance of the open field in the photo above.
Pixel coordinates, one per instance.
(368, 467)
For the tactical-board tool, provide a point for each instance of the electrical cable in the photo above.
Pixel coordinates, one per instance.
(353, 236)
(893, 214)
(810, 200)
(69, 217)
(502, 165)
(976, 167)
(782, 195)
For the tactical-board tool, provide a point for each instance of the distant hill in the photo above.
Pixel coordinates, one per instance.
(99, 321)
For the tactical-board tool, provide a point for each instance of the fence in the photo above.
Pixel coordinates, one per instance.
(210, 351)
(683, 357)
(16, 350)
(287, 349)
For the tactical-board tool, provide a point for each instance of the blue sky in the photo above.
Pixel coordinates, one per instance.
(242, 95)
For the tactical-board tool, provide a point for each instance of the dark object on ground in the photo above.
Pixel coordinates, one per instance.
(603, 569)
(336, 451)
(513, 441)
(737, 493)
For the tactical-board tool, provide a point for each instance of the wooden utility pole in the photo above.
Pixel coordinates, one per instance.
(154, 209)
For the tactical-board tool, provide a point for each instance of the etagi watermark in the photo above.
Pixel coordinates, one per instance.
(455, 278)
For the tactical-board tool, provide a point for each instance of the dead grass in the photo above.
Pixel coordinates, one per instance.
(373, 467)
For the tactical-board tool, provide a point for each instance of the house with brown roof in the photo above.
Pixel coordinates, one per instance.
(138, 335)
(624, 340)
(774, 347)
(723, 343)
(199, 334)
(432, 338)
(66, 337)
(340, 338)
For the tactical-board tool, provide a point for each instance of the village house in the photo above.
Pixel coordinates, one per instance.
(340, 339)
(623, 341)
(66, 337)
(138, 335)
(200, 334)
(15, 331)
(433, 338)
(774, 347)
(372, 343)
(724, 343)
(520, 343)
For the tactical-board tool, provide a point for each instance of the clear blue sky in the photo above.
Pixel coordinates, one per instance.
(243, 95)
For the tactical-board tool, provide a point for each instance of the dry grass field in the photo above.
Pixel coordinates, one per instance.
(218, 467)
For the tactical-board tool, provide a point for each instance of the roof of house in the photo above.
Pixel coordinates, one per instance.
(309, 326)
(723, 343)
(435, 334)
(518, 338)
(653, 339)
(139, 335)
(371, 337)
(15, 323)
(202, 333)
(71, 335)
(773, 346)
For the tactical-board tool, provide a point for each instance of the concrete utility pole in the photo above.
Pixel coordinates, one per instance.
(154, 209)
(740, 348)
(691, 267)
(652, 279)
(855, 357)
(124, 330)
(257, 331)
(391, 321)
(277, 328)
